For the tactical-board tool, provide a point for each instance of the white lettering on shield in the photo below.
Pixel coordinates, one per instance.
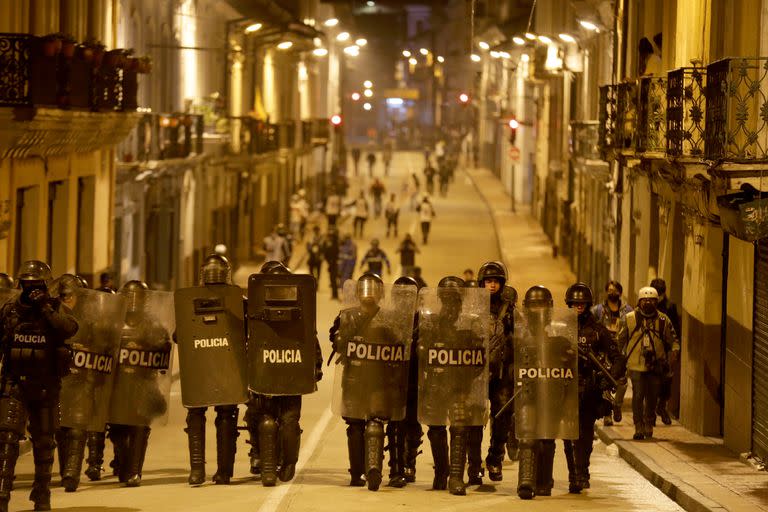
(282, 356)
(211, 342)
(376, 352)
(545, 373)
(456, 357)
(92, 361)
(145, 359)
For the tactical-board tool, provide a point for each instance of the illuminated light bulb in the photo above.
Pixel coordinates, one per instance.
(475, 57)
(344, 36)
(518, 40)
(320, 52)
(252, 28)
(483, 45)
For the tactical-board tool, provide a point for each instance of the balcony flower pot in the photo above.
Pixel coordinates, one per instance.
(131, 64)
(144, 65)
(114, 59)
(85, 53)
(68, 47)
(51, 45)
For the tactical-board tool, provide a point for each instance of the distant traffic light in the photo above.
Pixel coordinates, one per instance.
(513, 126)
(464, 98)
(336, 120)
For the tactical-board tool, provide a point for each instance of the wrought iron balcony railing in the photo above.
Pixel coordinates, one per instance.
(36, 71)
(626, 116)
(686, 105)
(606, 130)
(164, 136)
(737, 110)
(652, 120)
(585, 139)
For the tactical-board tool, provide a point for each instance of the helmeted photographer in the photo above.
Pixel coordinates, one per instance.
(648, 339)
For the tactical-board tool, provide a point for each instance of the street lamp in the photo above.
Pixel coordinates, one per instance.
(343, 36)
(463, 97)
(367, 106)
(361, 42)
(440, 59)
(475, 57)
(367, 84)
(331, 22)
(250, 29)
(284, 45)
(530, 36)
(320, 52)
(355, 96)
(412, 61)
(424, 51)
(368, 93)
(519, 41)
(406, 53)
(589, 25)
(483, 45)
(525, 57)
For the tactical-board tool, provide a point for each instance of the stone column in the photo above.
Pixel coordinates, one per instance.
(44, 17)
(74, 18)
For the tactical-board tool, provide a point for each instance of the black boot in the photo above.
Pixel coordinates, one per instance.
(574, 483)
(526, 476)
(458, 456)
(411, 451)
(356, 449)
(544, 466)
(396, 442)
(226, 444)
(73, 460)
(9, 452)
(42, 450)
(95, 441)
(661, 410)
(118, 434)
(474, 456)
(268, 444)
(290, 444)
(252, 417)
(196, 437)
(61, 448)
(137, 450)
(374, 453)
(438, 440)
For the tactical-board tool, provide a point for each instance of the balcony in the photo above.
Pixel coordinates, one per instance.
(606, 129)
(686, 104)
(737, 110)
(585, 140)
(167, 136)
(57, 96)
(651, 136)
(626, 116)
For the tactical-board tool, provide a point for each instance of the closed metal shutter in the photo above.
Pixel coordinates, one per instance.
(760, 354)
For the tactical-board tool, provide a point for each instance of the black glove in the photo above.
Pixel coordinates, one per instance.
(63, 361)
(38, 296)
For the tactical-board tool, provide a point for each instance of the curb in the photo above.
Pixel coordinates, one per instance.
(683, 494)
(491, 212)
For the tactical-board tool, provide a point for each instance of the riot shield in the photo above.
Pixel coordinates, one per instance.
(86, 391)
(143, 377)
(7, 295)
(546, 374)
(453, 356)
(210, 333)
(282, 334)
(373, 354)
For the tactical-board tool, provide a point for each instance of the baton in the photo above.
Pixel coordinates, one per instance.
(509, 402)
(596, 362)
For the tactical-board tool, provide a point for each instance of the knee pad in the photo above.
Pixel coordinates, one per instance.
(13, 416)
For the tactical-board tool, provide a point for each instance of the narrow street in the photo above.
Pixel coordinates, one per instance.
(462, 237)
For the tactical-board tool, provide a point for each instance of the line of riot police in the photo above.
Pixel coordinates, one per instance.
(458, 355)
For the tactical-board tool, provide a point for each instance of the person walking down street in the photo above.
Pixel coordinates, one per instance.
(611, 313)
(276, 246)
(377, 190)
(414, 187)
(331, 255)
(426, 214)
(356, 153)
(299, 210)
(361, 214)
(371, 159)
(444, 173)
(386, 155)
(429, 175)
(315, 253)
(375, 258)
(347, 259)
(392, 212)
(669, 308)
(332, 207)
(648, 339)
(407, 250)
(595, 385)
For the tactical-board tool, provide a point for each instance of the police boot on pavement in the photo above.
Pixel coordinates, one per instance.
(596, 344)
(492, 275)
(36, 355)
(211, 337)
(546, 407)
(372, 339)
(285, 362)
(453, 386)
(142, 380)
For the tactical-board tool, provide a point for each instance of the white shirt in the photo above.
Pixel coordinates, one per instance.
(426, 212)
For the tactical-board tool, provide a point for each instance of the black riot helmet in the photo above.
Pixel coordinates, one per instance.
(6, 281)
(449, 293)
(538, 296)
(66, 285)
(216, 269)
(406, 281)
(83, 281)
(538, 305)
(450, 285)
(34, 271)
(370, 287)
(135, 293)
(509, 293)
(495, 269)
(579, 293)
(274, 267)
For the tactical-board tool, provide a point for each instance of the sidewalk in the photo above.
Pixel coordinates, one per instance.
(698, 472)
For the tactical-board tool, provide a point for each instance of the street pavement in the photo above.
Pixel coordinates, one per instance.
(463, 236)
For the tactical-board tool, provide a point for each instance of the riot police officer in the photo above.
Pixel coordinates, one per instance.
(279, 375)
(404, 437)
(547, 406)
(138, 397)
(6, 281)
(35, 330)
(216, 284)
(493, 276)
(596, 344)
(372, 344)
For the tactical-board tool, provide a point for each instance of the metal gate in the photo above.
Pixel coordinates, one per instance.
(760, 354)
